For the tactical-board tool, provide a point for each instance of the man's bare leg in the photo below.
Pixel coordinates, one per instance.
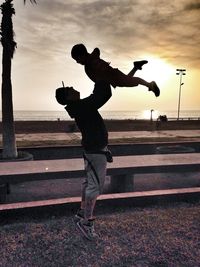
(89, 208)
(87, 205)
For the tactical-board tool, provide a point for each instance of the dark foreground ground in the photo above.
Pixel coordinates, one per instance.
(157, 235)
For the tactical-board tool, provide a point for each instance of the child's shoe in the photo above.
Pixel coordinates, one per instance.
(139, 64)
(154, 88)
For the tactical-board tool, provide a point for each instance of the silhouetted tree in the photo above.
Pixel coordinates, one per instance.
(9, 46)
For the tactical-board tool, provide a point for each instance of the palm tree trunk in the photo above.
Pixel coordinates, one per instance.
(8, 43)
(9, 141)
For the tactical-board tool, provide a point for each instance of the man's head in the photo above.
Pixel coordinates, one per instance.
(79, 53)
(65, 95)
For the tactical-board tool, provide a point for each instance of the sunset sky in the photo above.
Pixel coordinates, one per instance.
(166, 33)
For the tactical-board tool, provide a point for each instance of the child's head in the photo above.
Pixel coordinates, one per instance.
(65, 95)
(79, 53)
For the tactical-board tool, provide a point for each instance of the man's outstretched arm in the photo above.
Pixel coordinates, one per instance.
(101, 94)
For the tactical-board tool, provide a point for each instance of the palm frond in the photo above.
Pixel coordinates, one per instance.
(32, 2)
(7, 32)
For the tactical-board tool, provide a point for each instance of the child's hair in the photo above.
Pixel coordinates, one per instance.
(78, 50)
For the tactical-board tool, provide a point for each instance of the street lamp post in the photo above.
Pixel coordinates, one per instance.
(180, 72)
(151, 118)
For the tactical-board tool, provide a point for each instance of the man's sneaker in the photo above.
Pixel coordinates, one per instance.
(139, 64)
(79, 216)
(87, 229)
(154, 88)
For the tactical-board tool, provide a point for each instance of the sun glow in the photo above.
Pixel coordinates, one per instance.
(158, 70)
(150, 114)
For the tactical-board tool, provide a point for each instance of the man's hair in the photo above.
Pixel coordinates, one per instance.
(61, 95)
(64, 95)
(78, 50)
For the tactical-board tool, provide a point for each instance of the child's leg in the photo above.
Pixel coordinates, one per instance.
(137, 66)
(122, 80)
(132, 72)
(134, 81)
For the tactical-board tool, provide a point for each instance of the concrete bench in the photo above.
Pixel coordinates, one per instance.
(122, 169)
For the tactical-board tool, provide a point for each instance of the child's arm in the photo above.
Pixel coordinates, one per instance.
(96, 68)
(95, 53)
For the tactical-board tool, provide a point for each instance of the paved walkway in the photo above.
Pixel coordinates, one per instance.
(194, 134)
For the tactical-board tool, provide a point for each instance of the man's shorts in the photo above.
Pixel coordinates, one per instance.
(95, 167)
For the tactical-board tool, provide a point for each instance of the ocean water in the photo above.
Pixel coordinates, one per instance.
(25, 115)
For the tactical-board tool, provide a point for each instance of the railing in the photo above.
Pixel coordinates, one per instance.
(183, 119)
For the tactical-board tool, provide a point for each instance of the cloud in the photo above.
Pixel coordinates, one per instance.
(193, 6)
(122, 29)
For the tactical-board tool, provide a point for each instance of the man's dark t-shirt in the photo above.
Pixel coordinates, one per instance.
(89, 121)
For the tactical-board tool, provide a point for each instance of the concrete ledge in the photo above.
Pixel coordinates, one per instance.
(73, 168)
(183, 192)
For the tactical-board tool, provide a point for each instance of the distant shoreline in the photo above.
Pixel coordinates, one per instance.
(112, 125)
(39, 115)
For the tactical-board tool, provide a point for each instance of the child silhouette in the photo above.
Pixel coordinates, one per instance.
(99, 70)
